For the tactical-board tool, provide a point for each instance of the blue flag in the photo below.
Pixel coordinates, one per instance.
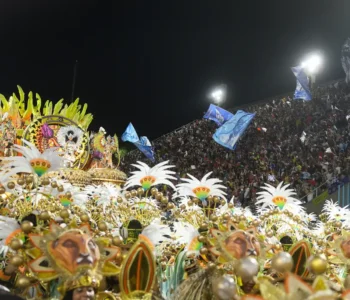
(217, 114)
(302, 91)
(145, 147)
(228, 134)
(142, 143)
(130, 134)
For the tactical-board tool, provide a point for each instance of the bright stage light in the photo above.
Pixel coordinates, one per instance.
(312, 64)
(218, 94)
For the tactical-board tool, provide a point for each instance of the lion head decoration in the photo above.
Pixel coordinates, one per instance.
(73, 250)
(232, 243)
(67, 252)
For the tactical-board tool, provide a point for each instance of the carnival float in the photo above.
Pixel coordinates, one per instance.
(71, 222)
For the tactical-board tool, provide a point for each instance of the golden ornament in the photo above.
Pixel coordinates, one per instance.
(203, 251)
(2, 190)
(22, 282)
(27, 226)
(44, 216)
(202, 239)
(282, 262)
(64, 213)
(16, 260)
(102, 226)
(204, 226)
(154, 191)
(117, 240)
(317, 265)
(16, 244)
(133, 193)
(84, 218)
(230, 205)
(29, 179)
(164, 200)
(60, 188)
(21, 181)
(54, 184)
(11, 185)
(45, 181)
(140, 191)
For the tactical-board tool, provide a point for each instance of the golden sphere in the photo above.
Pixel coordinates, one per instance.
(2, 190)
(223, 202)
(54, 184)
(164, 200)
(85, 218)
(29, 179)
(22, 282)
(170, 205)
(117, 240)
(256, 223)
(16, 244)
(154, 191)
(27, 226)
(20, 181)
(282, 262)
(11, 185)
(159, 196)
(140, 191)
(317, 265)
(213, 218)
(202, 239)
(190, 203)
(204, 226)
(64, 213)
(230, 205)
(120, 200)
(45, 181)
(68, 194)
(338, 224)
(203, 251)
(102, 226)
(242, 218)
(210, 198)
(195, 200)
(183, 206)
(44, 216)
(211, 265)
(226, 216)
(269, 233)
(247, 268)
(16, 260)
(216, 199)
(133, 193)
(60, 188)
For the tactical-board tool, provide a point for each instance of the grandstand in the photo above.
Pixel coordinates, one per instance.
(272, 156)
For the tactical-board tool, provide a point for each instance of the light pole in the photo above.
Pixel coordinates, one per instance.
(311, 66)
(218, 94)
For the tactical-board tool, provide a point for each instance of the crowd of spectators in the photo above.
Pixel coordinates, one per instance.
(304, 143)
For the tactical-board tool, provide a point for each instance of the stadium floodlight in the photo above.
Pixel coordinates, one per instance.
(312, 64)
(218, 94)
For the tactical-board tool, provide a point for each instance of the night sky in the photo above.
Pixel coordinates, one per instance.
(153, 62)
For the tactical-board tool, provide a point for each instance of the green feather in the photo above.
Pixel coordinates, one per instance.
(57, 107)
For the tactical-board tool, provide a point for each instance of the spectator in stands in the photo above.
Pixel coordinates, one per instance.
(282, 153)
